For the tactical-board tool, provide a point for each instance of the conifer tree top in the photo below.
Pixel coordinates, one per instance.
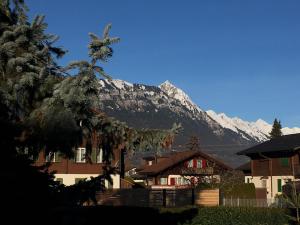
(276, 129)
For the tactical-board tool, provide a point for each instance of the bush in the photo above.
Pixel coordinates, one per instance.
(239, 216)
(246, 191)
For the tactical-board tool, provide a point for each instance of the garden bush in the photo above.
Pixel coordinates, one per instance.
(239, 216)
(246, 191)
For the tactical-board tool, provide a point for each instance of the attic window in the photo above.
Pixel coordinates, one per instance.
(190, 163)
(80, 155)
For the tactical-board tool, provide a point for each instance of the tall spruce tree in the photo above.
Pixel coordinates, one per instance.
(276, 129)
(42, 107)
(45, 107)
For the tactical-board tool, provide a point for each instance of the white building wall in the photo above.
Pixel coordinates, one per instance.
(272, 188)
(69, 179)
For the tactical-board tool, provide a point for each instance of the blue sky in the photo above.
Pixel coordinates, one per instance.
(237, 57)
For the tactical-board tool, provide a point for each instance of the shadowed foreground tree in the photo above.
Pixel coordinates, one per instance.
(42, 107)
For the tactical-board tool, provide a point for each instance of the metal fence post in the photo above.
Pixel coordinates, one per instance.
(164, 198)
(193, 196)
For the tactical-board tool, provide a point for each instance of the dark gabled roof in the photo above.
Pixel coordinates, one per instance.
(286, 143)
(177, 158)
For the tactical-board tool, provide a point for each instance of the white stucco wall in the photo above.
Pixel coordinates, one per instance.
(69, 179)
(272, 188)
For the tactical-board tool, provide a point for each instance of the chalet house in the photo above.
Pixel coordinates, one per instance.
(70, 171)
(274, 163)
(182, 169)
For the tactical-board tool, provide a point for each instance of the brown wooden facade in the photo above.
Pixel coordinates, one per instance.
(279, 166)
(70, 166)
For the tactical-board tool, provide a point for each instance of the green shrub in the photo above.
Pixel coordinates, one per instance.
(239, 216)
(246, 191)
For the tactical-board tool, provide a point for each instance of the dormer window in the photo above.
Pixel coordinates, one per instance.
(52, 157)
(80, 155)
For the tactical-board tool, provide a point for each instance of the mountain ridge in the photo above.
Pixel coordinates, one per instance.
(148, 106)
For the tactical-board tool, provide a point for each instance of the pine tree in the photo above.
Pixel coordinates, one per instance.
(46, 108)
(42, 106)
(276, 129)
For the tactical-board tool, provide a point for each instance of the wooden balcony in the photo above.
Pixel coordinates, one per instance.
(198, 171)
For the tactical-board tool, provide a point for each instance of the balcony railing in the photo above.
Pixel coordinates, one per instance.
(198, 171)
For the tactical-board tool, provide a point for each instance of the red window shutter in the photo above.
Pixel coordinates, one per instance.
(172, 181)
(195, 163)
(203, 163)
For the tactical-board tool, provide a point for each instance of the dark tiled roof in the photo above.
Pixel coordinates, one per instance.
(177, 158)
(284, 143)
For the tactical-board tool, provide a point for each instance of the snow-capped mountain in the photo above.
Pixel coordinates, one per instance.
(144, 106)
(258, 130)
(179, 94)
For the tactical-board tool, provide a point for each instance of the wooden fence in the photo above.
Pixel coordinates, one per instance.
(208, 197)
(239, 202)
(159, 197)
(180, 197)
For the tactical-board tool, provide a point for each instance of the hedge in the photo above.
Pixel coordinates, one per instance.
(239, 216)
(242, 190)
(166, 216)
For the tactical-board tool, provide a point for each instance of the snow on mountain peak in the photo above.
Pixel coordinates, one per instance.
(167, 82)
(178, 94)
(239, 126)
(120, 84)
(259, 130)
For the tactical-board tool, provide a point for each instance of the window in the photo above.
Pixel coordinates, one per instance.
(248, 180)
(99, 157)
(190, 164)
(199, 163)
(279, 187)
(150, 163)
(185, 181)
(80, 155)
(163, 181)
(52, 157)
(60, 180)
(179, 180)
(284, 162)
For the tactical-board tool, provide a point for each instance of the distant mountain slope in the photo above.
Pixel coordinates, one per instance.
(144, 106)
(258, 130)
